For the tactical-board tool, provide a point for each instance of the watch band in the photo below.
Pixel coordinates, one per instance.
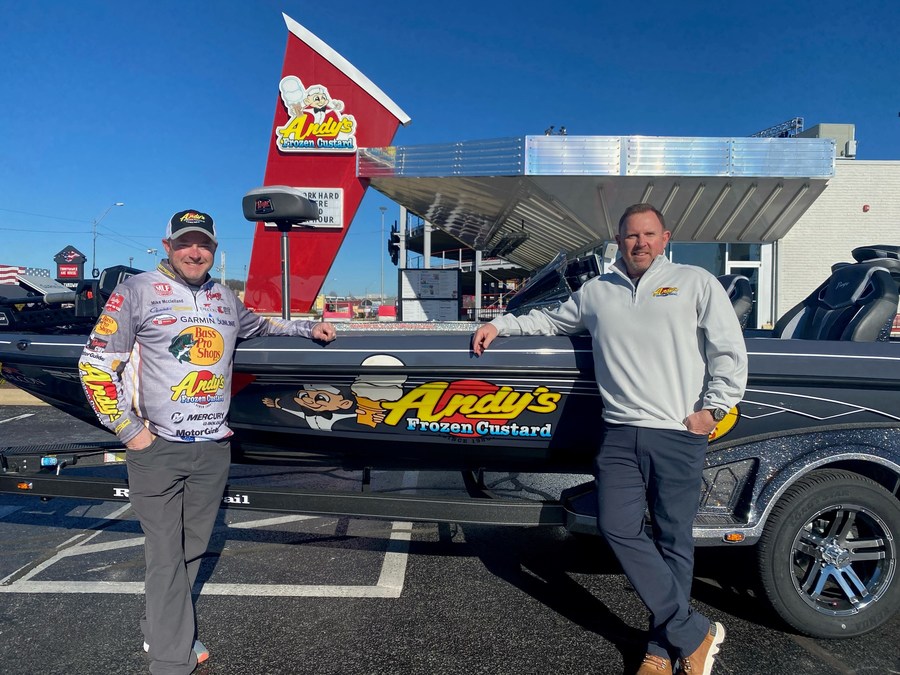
(718, 414)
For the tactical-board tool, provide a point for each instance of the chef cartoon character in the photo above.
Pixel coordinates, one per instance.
(320, 106)
(372, 389)
(321, 405)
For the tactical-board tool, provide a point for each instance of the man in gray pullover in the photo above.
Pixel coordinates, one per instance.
(670, 362)
(157, 372)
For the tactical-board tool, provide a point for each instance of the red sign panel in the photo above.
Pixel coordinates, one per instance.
(67, 272)
(324, 110)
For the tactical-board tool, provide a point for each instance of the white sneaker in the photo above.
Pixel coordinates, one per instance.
(201, 651)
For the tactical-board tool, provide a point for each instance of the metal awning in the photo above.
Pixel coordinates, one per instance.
(533, 196)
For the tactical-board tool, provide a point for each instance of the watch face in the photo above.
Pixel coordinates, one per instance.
(719, 414)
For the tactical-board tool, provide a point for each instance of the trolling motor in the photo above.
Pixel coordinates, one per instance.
(284, 207)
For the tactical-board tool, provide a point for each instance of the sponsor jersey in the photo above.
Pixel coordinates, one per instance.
(160, 356)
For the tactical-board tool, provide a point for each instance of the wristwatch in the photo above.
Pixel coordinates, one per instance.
(718, 414)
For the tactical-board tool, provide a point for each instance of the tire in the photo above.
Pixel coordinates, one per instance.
(828, 555)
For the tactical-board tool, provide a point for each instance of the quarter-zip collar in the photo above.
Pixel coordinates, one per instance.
(620, 269)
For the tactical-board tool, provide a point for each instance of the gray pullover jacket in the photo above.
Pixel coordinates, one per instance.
(160, 356)
(662, 350)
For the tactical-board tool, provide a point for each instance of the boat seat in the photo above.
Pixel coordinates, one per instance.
(884, 256)
(740, 292)
(857, 302)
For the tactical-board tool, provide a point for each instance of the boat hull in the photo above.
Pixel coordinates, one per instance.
(422, 400)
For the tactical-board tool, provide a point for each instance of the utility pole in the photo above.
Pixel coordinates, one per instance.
(222, 268)
(96, 271)
(381, 250)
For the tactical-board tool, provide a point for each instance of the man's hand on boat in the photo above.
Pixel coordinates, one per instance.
(483, 337)
(324, 332)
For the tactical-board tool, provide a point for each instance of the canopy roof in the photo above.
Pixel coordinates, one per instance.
(527, 198)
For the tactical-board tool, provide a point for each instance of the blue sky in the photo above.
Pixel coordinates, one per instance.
(168, 105)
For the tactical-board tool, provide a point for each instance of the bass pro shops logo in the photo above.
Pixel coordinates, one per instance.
(199, 345)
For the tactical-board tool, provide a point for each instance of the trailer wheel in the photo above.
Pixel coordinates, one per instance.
(828, 555)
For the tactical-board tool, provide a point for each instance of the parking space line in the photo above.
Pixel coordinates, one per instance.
(389, 584)
(17, 417)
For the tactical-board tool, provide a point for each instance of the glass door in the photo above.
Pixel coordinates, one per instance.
(754, 261)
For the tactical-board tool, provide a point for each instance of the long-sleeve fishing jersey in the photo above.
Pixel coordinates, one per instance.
(160, 356)
(663, 349)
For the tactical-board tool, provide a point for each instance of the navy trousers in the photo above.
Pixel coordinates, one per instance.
(176, 490)
(639, 468)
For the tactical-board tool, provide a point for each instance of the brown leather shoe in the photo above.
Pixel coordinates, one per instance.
(702, 660)
(655, 665)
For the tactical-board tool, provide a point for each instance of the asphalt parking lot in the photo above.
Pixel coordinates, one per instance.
(286, 593)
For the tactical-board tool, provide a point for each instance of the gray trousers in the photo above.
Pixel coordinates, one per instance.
(176, 490)
(660, 469)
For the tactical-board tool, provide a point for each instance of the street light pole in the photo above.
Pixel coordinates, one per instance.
(381, 250)
(95, 272)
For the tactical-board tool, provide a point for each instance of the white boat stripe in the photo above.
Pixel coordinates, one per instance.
(826, 356)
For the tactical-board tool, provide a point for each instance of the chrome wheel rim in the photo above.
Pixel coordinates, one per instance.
(843, 560)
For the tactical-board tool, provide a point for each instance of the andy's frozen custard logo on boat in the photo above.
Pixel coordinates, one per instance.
(472, 408)
(317, 122)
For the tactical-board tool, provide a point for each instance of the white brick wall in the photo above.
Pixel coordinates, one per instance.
(835, 224)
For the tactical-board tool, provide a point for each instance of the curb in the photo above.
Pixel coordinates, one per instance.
(18, 397)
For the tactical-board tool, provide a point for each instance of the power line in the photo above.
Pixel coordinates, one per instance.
(42, 215)
(31, 229)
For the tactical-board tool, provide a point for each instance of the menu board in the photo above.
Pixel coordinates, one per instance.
(429, 295)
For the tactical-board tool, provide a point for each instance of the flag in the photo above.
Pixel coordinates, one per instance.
(8, 273)
(37, 272)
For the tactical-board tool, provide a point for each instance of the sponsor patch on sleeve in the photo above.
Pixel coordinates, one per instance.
(106, 325)
(114, 304)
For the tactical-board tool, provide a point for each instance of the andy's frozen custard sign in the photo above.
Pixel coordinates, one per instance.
(317, 122)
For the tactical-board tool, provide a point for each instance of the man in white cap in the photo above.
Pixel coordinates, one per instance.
(157, 371)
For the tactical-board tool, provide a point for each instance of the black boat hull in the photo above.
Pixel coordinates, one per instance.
(420, 399)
